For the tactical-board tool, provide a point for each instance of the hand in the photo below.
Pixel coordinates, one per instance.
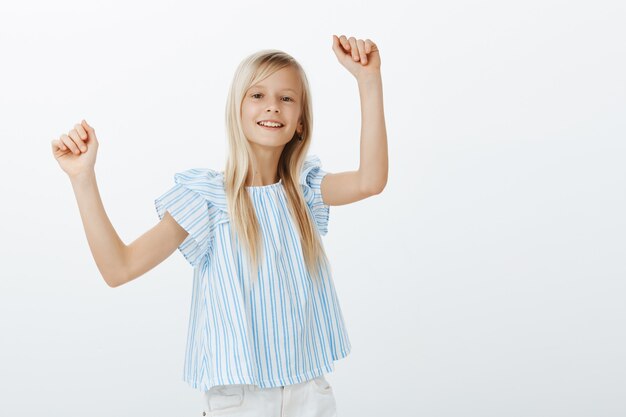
(359, 57)
(76, 151)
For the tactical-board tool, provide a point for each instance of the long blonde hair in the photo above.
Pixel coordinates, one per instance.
(244, 222)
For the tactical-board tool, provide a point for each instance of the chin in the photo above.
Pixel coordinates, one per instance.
(270, 143)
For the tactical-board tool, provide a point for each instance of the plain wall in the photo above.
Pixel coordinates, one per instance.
(486, 280)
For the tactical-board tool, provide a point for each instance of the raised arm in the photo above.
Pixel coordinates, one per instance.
(152, 248)
(362, 59)
(117, 262)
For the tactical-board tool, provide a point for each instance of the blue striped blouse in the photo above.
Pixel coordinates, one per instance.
(283, 329)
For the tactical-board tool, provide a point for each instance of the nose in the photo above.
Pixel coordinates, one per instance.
(272, 106)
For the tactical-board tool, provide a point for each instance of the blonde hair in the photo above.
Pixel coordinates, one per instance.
(244, 222)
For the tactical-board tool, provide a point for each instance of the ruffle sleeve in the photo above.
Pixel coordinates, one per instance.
(311, 181)
(197, 202)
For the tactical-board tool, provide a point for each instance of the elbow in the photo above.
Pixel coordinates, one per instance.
(376, 188)
(110, 282)
(380, 188)
(373, 184)
(115, 275)
(114, 281)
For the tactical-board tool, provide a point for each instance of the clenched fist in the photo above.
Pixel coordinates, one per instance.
(360, 57)
(76, 151)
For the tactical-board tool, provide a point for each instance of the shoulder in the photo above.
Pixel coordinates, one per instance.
(199, 175)
(312, 172)
(311, 179)
(205, 182)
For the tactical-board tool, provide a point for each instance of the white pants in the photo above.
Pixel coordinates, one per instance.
(312, 398)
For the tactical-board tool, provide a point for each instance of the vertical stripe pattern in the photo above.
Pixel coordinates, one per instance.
(282, 330)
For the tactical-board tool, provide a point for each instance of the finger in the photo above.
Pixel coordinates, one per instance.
(368, 46)
(77, 140)
(361, 45)
(344, 42)
(73, 135)
(81, 131)
(57, 146)
(70, 144)
(354, 48)
(90, 130)
(337, 47)
(373, 47)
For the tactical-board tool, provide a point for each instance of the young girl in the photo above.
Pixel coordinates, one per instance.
(265, 324)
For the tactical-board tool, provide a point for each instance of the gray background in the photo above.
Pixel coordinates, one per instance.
(486, 280)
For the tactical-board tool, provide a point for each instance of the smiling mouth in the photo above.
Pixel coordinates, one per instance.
(270, 127)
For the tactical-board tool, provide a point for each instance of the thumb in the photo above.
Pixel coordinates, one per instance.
(90, 131)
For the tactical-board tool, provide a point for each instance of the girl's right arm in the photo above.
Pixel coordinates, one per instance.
(117, 262)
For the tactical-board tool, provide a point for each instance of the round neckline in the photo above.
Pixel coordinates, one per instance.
(258, 187)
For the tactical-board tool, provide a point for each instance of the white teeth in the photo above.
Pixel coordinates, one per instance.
(270, 124)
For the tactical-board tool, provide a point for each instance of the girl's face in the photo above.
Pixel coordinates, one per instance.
(276, 98)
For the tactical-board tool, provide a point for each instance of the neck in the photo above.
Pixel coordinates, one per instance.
(265, 170)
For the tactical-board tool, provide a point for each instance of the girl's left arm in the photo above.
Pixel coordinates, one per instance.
(374, 163)
(363, 61)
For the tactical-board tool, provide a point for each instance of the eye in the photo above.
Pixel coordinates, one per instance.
(259, 94)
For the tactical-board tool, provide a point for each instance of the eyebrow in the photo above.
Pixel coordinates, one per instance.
(284, 89)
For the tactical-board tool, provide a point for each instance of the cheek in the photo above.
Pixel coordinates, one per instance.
(248, 113)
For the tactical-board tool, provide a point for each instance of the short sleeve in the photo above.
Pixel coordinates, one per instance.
(311, 181)
(191, 209)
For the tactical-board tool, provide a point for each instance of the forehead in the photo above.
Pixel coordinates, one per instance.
(285, 79)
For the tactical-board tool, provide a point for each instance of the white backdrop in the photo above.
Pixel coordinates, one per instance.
(486, 280)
